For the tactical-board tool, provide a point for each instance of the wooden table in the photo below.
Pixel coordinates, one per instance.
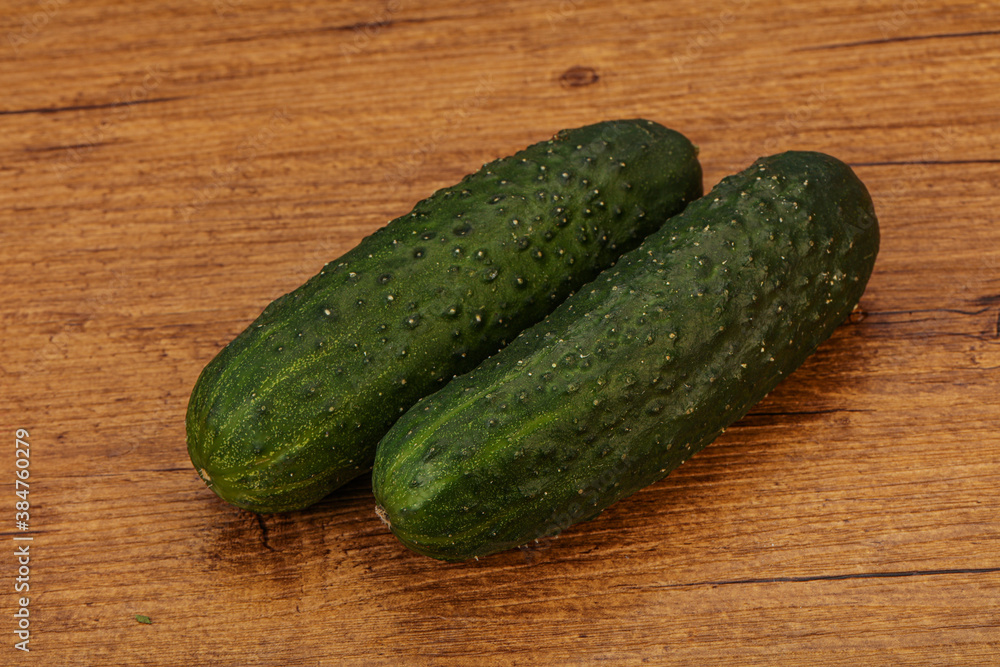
(169, 168)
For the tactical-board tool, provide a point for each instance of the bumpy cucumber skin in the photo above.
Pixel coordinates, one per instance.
(637, 371)
(295, 405)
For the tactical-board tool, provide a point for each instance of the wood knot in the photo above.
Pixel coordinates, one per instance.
(577, 77)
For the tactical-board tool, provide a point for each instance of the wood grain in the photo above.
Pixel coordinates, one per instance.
(167, 169)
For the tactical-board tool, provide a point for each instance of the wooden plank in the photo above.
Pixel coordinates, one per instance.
(167, 169)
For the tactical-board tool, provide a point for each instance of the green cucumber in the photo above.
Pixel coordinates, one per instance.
(295, 405)
(638, 370)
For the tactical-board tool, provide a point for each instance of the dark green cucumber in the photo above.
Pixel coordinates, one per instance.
(638, 370)
(295, 405)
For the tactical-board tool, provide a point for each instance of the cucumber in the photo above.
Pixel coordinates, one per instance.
(637, 371)
(295, 405)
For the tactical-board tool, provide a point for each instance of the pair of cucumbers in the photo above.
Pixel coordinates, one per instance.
(558, 330)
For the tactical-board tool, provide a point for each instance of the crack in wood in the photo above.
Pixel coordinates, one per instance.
(987, 300)
(390, 22)
(264, 534)
(910, 311)
(902, 38)
(837, 577)
(63, 147)
(89, 107)
(889, 163)
(359, 26)
(792, 413)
